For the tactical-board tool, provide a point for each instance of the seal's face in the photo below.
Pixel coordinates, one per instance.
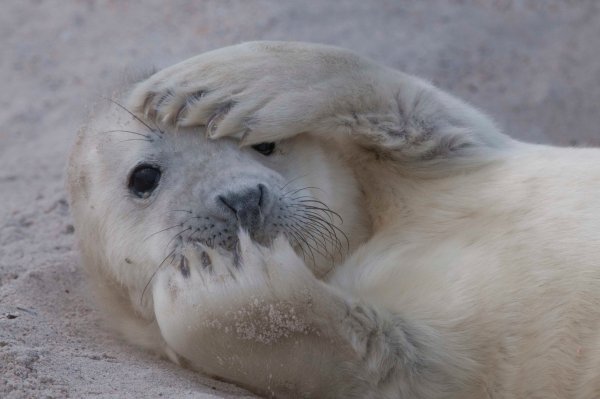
(141, 195)
(203, 192)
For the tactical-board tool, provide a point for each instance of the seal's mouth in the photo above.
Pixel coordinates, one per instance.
(261, 236)
(309, 225)
(233, 246)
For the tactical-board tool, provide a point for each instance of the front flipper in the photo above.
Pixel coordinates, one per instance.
(268, 91)
(263, 321)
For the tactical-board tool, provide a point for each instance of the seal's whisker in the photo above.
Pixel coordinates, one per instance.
(147, 140)
(326, 252)
(168, 228)
(312, 238)
(324, 207)
(294, 191)
(315, 218)
(171, 254)
(317, 228)
(314, 228)
(289, 236)
(328, 212)
(308, 246)
(334, 228)
(177, 235)
(327, 235)
(330, 228)
(137, 118)
(292, 180)
(129, 132)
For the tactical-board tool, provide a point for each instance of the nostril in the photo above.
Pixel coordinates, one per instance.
(247, 205)
(262, 192)
(223, 199)
(246, 200)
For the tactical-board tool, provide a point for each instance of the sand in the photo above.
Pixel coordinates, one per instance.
(533, 65)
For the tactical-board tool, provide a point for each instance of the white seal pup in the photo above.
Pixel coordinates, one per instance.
(471, 267)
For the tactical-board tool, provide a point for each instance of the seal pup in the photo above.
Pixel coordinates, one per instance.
(471, 265)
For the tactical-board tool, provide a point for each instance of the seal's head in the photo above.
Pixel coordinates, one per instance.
(140, 194)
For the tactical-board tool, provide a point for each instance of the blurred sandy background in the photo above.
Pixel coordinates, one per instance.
(533, 65)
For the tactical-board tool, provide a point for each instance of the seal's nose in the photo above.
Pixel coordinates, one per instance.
(247, 205)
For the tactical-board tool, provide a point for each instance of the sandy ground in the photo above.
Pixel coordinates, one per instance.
(533, 65)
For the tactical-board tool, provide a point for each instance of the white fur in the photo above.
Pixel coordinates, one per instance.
(478, 274)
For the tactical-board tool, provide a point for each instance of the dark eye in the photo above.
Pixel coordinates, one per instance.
(265, 148)
(143, 180)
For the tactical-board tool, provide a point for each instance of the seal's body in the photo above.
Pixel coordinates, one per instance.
(212, 222)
